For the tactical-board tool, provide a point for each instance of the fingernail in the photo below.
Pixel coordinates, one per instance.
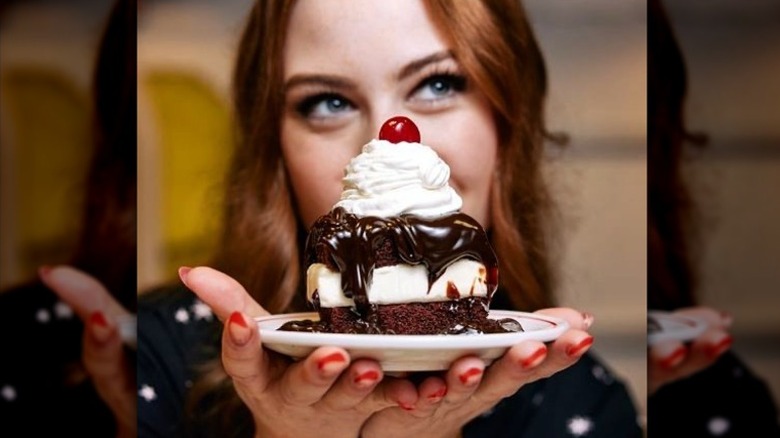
(717, 349)
(438, 395)
(587, 320)
(534, 359)
(673, 359)
(44, 270)
(366, 379)
(581, 347)
(331, 363)
(98, 327)
(471, 376)
(183, 271)
(238, 329)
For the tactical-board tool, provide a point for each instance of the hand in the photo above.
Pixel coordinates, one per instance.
(325, 394)
(672, 360)
(102, 352)
(445, 404)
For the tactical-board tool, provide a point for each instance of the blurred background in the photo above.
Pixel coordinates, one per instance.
(47, 57)
(596, 55)
(730, 52)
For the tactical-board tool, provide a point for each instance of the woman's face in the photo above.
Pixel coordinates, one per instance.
(348, 67)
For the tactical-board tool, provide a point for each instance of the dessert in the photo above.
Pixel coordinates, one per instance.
(395, 255)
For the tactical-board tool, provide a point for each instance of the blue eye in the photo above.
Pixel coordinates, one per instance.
(324, 106)
(439, 86)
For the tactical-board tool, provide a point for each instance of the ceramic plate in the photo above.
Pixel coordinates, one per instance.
(410, 352)
(673, 326)
(127, 330)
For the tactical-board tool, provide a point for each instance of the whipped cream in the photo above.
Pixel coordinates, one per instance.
(391, 179)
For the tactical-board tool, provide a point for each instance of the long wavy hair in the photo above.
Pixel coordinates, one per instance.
(672, 223)
(263, 237)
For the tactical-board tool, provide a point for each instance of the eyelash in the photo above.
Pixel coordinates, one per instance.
(455, 82)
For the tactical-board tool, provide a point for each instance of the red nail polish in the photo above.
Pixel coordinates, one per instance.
(97, 318)
(673, 359)
(367, 378)
(715, 350)
(438, 395)
(183, 271)
(237, 318)
(579, 348)
(534, 359)
(238, 329)
(330, 360)
(470, 376)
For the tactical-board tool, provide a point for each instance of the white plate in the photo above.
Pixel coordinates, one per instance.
(675, 327)
(410, 352)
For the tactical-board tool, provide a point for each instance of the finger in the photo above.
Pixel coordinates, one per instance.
(431, 392)
(575, 318)
(220, 292)
(463, 378)
(668, 354)
(242, 356)
(82, 292)
(391, 392)
(562, 353)
(306, 382)
(104, 360)
(511, 371)
(704, 351)
(353, 386)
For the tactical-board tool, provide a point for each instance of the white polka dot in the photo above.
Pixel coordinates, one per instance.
(8, 392)
(63, 311)
(718, 426)
(147, 393)
(602, 375)
(182, 316)
(537, 399)
(579, 426)
(43, 316)
(202, 311)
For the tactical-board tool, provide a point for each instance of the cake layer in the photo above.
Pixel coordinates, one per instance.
(400, 284)
(468, 315)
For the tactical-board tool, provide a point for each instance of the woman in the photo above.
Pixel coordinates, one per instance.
(68, 376)
(314, 82)
(700, 388)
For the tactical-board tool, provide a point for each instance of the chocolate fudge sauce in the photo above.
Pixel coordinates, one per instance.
(354, 245)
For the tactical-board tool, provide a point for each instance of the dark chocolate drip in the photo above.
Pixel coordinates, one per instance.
(350, 243)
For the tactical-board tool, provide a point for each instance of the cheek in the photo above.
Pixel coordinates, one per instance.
(471, 152)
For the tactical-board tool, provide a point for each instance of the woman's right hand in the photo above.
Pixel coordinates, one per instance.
(672, 360)
(325, 394)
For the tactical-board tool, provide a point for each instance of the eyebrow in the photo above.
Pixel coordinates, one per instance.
(341, 83)
(417, 65)
(330, 81)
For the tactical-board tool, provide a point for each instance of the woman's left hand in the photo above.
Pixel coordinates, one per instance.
(445, 404)
(102, 352)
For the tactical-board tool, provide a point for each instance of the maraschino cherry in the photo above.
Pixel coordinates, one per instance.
(398, 129)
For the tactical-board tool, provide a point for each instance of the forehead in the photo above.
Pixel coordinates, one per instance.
(352, 36)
